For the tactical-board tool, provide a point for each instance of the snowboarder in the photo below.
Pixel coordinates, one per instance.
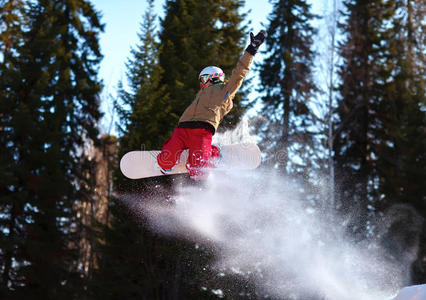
(200, 120)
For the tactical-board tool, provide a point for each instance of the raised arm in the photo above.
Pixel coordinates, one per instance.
(243, 64)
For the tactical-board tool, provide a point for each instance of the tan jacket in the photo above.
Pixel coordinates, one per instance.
(212, 103)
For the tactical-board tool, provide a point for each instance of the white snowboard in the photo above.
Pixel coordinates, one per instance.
(143, 164)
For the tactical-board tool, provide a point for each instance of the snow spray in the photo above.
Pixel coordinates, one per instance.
(259, 225)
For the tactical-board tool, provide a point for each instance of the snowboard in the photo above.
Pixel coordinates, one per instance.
(143, 164)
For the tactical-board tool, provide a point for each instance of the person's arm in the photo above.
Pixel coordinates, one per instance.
(243, 65)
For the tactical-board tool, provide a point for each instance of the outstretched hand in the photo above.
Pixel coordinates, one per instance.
(256, 41)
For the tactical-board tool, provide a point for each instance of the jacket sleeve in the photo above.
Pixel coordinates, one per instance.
(238, 75)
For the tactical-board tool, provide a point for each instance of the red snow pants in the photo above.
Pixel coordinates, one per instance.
(199, 143)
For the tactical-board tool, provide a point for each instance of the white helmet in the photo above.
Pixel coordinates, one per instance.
(212, 73)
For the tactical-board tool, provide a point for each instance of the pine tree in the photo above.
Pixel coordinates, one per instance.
(52, 106)
(195, 34)
(287, 83)
(402, 144)
(12, 16)
(363, 74)
(379, 144)
(326, 106)
(143, 110)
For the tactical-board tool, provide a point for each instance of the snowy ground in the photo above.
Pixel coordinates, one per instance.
(415, 292)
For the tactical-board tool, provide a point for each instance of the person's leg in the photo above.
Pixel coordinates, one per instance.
(172, 149)
(200, 152)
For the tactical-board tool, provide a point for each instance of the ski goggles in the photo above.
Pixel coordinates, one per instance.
(206, 77)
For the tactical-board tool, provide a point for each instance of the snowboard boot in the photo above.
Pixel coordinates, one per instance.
(216, 156)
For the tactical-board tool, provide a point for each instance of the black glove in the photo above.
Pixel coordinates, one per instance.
(256, 41)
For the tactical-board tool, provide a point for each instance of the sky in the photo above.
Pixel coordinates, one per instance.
(122, 21)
